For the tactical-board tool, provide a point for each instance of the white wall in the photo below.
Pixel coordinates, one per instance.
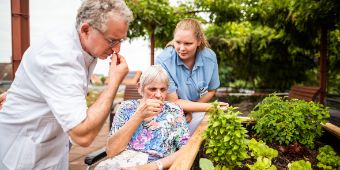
(5, 32)
(47, 14)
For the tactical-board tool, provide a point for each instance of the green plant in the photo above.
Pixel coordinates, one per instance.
(260, 149)
(328, 159)
(286, 121)
(300, 165)
(225, 137)
(262, 163)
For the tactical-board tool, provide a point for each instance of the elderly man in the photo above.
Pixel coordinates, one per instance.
(45, 107)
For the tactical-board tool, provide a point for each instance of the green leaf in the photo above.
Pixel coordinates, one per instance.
(206, 164)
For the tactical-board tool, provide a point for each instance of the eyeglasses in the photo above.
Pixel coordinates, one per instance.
(111, 42)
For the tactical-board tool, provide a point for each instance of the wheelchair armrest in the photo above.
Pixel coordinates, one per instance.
(95, 156)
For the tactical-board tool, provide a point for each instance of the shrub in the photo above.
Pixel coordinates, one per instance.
(225, 138)
(286, 121)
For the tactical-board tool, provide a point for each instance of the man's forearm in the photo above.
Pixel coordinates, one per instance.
(84, 133)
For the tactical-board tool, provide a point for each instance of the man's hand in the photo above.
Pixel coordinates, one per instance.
(2, 99)
(118, 68)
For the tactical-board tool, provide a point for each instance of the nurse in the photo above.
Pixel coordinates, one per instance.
(193, 70)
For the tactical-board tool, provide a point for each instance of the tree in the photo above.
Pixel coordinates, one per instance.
(258, 55)
(153, 19)
(314, 18)
(305, 25)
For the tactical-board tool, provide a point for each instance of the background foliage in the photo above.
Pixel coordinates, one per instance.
(260, 44)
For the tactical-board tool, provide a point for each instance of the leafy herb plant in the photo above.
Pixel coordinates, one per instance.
(286, 121)
(263, 155)
(225, 138)
(328, 159)
(262, 163)
(300, 165)
(260, 149)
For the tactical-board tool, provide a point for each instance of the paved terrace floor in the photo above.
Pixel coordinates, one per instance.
(77, 153)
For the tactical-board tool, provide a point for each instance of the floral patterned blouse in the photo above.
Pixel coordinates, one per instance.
(159, 137)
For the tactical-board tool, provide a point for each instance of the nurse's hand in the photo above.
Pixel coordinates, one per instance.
(224, 106)
(2, 99)
(118, 68)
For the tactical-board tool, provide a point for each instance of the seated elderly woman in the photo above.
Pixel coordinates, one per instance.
(150, 125)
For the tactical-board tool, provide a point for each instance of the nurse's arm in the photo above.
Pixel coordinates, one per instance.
(187, 105)
(207, 97)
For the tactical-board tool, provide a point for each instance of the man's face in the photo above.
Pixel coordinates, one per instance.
(103, 44)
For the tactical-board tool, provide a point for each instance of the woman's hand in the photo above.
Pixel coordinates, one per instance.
(224, 106)
(2, 99)
(188, 116)
(149, 108)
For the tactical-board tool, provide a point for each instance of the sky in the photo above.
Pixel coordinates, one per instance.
(51, 14)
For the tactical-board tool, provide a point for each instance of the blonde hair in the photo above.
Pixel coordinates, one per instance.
(152, 73)
(195, 26)
(97, 12)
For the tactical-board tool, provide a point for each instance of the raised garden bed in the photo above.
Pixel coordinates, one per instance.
(195, 150)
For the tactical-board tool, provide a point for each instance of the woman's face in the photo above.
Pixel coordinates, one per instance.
(157, 89)
(186, 44)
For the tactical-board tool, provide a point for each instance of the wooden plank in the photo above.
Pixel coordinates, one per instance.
(190, 150)
(335, 130)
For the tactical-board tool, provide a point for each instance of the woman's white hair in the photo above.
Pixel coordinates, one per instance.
(154, 72)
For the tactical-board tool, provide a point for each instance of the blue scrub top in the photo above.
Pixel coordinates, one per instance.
(190, 84)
